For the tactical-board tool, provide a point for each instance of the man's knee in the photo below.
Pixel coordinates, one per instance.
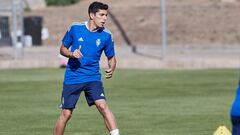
(66, 114)
(103, 108)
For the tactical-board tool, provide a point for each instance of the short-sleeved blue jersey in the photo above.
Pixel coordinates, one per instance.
(91, 44)
(235, 110)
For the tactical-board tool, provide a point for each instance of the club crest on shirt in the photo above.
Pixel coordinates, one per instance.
(98, 42)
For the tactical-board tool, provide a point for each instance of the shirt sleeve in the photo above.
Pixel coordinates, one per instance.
(67, 39)
(109, 48)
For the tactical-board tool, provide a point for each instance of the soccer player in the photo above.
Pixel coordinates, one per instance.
(83, 44)
(235, 113)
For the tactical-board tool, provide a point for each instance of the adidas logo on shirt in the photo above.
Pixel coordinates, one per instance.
(80, 39)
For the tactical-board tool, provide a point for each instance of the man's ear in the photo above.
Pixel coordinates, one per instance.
(91, 15)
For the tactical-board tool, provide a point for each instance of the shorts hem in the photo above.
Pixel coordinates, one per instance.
(93, 103)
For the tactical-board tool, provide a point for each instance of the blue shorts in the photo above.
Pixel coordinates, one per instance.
(70, 93)
(235, 125)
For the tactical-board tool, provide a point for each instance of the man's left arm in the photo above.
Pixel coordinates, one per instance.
(111, 67)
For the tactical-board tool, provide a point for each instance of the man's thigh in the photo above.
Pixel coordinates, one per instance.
(70, 95)
(94, 91)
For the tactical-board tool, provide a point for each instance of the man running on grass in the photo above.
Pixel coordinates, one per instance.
(87, 41)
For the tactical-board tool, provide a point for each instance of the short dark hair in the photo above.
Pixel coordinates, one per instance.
(96, 6)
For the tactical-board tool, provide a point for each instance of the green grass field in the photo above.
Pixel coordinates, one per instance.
(145, 102)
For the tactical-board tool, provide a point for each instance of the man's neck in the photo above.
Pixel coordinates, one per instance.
(92, 26)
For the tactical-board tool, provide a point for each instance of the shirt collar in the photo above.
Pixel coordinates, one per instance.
(86, 24)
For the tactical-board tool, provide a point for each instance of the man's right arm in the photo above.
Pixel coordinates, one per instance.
(67, 53)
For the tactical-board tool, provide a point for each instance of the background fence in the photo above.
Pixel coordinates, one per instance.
(11, 27)
(195, 29)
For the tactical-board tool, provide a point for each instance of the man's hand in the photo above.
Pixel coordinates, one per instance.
(67, 53)
(111, 67)
(109, 73)
(77, 54)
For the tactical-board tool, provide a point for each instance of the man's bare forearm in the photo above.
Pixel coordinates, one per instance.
(65, 52)
(112, 63)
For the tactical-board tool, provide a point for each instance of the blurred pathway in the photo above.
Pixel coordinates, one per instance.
(147, 57)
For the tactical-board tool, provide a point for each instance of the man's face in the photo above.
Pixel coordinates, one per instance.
(99, 18)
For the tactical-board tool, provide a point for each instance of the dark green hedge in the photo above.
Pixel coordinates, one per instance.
(60, 2)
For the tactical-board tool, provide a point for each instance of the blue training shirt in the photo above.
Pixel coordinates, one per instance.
(91, 44)
(235, 110)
